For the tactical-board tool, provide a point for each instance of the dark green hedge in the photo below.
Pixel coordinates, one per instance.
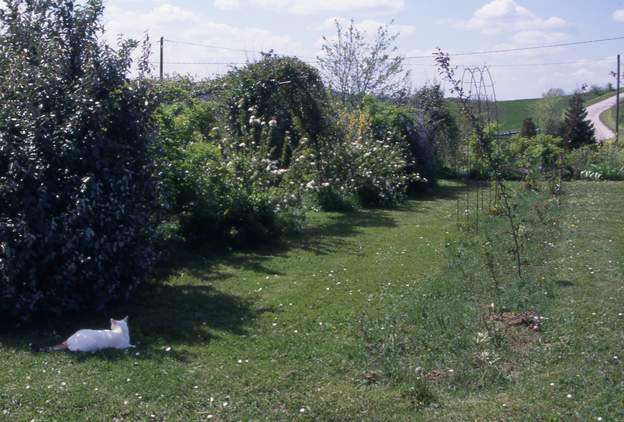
(76, 190)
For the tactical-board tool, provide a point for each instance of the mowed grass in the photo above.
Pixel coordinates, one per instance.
(267, 335)
(573, 369)
(371, 315)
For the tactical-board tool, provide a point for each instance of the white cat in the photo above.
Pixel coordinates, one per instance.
(118, 337)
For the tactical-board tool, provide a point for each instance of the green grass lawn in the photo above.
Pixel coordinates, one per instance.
(573, 369)
(321, 327)
(251, 335)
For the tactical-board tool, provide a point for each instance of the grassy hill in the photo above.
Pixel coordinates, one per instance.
(511, 113)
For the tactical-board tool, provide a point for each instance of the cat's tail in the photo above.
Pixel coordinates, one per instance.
(57, 348)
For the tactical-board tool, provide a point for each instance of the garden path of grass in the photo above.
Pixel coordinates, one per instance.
(275, 335)
(258, 335)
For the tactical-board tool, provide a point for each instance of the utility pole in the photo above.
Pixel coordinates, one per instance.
(162, 48)
(617, 103)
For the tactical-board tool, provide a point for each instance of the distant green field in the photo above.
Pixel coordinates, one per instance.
(512, 113)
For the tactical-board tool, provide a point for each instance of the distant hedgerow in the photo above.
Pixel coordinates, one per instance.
(76, 185)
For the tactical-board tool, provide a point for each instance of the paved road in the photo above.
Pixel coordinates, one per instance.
(593, 113)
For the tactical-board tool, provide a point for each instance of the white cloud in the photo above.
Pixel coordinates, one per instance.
(555, 22)
(311, 7)
(369, 26)
(536, 37)
(618, 15)
(182, 24)
(227, 4)
(507, 15)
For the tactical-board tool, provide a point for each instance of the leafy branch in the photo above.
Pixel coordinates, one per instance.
(484, 147)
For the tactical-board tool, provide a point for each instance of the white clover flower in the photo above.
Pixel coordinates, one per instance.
(272, 123)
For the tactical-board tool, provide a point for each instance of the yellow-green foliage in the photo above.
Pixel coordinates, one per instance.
(542, 152)
(517, 156)
(598, 162)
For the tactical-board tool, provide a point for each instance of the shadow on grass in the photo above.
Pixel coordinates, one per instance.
(189, 314)
(450, 191)
(333, 234)
(162, 315)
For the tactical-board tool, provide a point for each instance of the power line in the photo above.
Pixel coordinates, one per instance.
(580, 61)
(208, 63)
(472, 53)
(535, 47)
(217, 47)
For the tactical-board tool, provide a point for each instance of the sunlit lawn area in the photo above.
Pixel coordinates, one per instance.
(277, 334)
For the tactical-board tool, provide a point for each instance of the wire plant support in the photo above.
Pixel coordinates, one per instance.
(478, 87)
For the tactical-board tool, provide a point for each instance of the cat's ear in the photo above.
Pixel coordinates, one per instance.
(125, 319)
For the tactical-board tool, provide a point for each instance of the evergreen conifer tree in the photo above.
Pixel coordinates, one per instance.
(577, 129)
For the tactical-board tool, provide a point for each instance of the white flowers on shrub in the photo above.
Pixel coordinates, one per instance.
(591, 175)
(352, 164)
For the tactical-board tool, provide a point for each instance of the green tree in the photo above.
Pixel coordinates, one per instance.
(78, 197)
(548, 112)
(577, 130)
(353, 66)
(439, 134)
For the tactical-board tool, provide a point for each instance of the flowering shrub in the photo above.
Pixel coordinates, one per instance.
(402, 125)
(224, 188)
(78, 197)
(282, 91)
(360, 164)
(541, 153)
(591, 175)
(604, 160)
(379, 161)
(517, 157)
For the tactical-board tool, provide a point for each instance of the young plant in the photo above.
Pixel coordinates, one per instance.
(485, 145)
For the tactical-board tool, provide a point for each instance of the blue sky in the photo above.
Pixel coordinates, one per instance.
(297, 26)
